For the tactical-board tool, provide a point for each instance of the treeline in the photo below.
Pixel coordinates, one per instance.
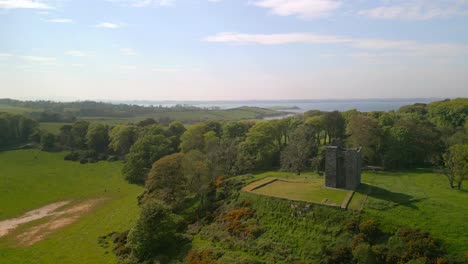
(17, 129)
(66, 110)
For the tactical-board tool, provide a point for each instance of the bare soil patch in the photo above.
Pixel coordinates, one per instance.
(8, 225)
(59, 217)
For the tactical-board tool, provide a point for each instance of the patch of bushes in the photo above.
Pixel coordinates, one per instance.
(86, 156)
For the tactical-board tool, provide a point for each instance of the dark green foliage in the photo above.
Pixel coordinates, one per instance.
(48, 141)
(150, 147)
(79, 131)
(297, 155)
(449, 114)
(155, 232)
(97, 137)
(15, 129)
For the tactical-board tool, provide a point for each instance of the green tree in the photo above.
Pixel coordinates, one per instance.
(298, 153)
(150, 147)
(334, 124)
(122, 137)
(65, 137)
(456, 163)
(97, 137)
(166, 180)
(175, 132)
(155, 232)
(79, 131)
(365, 132)
(48, 141)
(259, 149)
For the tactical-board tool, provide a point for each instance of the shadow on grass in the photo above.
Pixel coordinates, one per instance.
(387, 199)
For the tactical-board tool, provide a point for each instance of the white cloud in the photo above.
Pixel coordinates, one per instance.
(78, 53)
(128, 51)
(165, 69)
(23, 4)
(38, 59)
(417, 9)
(405, 46)
(5, 55)
(60, 20)
(302, 8)
(274, 39)
(127, 67)
(107, 25)
(145, 3)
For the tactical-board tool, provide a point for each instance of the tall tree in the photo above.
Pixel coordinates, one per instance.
(97, 137)
(166, 180)
(456, 162)
(122, 137)
(150, 147)
(298, 153)
(334, 124)
(365, 132)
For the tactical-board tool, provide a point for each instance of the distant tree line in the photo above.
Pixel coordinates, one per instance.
(50, 111)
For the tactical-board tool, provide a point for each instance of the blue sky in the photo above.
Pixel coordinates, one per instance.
(233, 49)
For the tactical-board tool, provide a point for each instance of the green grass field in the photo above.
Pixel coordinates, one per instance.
(308, 190)
(30, 179)
(53, 128)
(15, 109)
(419, 199)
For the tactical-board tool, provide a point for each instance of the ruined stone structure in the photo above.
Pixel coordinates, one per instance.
(342, 166)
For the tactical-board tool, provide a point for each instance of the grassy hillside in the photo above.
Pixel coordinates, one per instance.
(30, 179)
(296, 231)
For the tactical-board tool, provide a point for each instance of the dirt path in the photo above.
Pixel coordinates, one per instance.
(8, 225)
(58, 219)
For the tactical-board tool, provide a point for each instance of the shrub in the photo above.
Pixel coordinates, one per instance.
(206, 256)
(370, 229)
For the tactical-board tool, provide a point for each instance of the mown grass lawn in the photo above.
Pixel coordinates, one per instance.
(30, 179)
(308, 190)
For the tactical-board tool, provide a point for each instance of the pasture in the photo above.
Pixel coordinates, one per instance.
(100, 202)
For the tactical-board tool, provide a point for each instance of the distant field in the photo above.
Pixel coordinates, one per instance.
(53, 128)
(15, 109)
(189, 116)
(30, 179)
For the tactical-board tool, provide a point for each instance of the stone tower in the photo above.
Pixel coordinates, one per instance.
(342, 166)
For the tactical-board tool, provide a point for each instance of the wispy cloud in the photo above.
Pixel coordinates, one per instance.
(403, 46)
(166, 69)
(128, 51)
(23, 4)
(38, 59)
(108, 25)
(60, 20)
(274, 39)
(302, 8)
(78, 53)
(127, 67)
(417, 9)
(5, 55)
(145, 3)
